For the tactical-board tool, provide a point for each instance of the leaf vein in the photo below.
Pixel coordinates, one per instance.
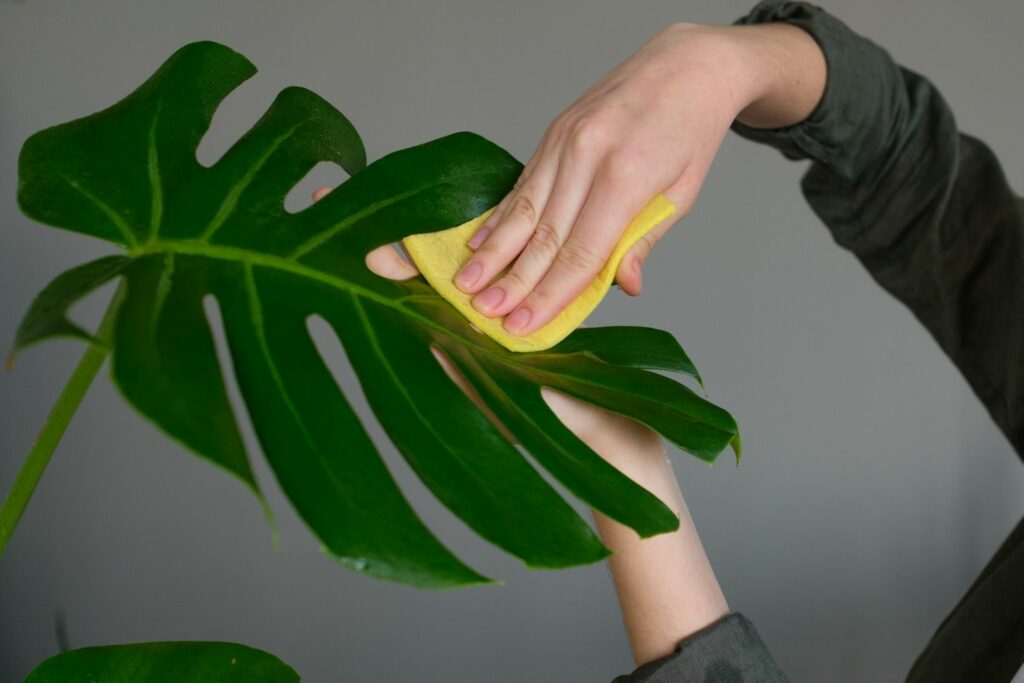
(320, 238)
(156, 212)
(399, 386)
(227, 207)
(119, 222)
(245, 256)
(163, 289)
(256, 319)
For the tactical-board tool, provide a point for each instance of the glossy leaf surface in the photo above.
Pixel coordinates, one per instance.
(171, 662)
(129, 175)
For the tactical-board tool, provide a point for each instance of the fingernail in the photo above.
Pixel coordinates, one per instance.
(517, 320)
(468, 276)
(489, 299)
(478, 239)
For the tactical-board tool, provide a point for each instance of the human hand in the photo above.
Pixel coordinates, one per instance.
(384, 260)
(652, 125)
(598, 428)
(665, 584)
(591, 424)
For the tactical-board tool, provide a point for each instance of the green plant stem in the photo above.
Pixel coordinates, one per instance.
(56, 423)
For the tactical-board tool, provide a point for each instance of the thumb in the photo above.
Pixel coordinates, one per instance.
(629, 275)
(384, 260)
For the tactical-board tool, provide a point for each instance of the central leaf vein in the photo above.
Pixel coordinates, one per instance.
(251, 258)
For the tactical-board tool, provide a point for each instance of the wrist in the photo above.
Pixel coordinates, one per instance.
(726, 56)
(786, 70)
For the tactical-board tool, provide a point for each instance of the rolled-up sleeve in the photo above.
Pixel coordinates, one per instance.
(925, 208)
(728, 651)
(930, 214)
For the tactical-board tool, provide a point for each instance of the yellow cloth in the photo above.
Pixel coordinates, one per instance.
(439, 255)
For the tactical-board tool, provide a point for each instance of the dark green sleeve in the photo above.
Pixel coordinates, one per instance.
(929, 213)
(925, 208)
(727, 651)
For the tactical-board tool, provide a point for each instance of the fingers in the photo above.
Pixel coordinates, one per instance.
(551, 232)
(630, 272)
(384, 260)
(609, 208)
(482, 233)
(543, 151)
(502, 243)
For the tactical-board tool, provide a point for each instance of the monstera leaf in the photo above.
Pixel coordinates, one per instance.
(129, 175)
(172, 662)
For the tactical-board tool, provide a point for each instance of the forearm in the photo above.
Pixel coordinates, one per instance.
(666, 586)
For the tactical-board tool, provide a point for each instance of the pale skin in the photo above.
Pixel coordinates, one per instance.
(652, 125)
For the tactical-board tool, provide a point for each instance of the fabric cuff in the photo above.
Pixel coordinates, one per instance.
(728, 650)
(840, 133)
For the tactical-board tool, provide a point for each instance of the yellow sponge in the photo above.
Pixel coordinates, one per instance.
(439, 255)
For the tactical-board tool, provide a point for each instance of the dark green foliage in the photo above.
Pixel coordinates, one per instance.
(177, 662)
(129, 175)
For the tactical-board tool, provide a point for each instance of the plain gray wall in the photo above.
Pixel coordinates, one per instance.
(874, 485)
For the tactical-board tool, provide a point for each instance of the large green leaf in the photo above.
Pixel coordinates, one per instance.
(172, 662)
(129, 175)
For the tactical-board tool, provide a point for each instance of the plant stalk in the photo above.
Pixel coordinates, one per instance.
(57, 422)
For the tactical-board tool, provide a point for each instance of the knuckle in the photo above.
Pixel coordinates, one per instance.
(588, 135)
(546, 239)
(560, 125)
(524, 206)
(540, 299)
(578, 258)
(547, 298)
(647, 244)
(515, 281)
(493, 248)
(489, 253)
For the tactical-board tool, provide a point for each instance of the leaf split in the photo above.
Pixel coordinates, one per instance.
(129, 175)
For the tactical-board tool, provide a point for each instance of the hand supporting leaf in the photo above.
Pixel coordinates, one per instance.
(129, 175)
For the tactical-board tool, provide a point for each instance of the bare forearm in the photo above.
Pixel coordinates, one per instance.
(666, 586)
(767, 76)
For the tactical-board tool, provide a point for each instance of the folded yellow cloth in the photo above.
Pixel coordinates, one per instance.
(439, 255)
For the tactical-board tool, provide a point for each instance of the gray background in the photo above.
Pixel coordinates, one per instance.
(874, 485)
